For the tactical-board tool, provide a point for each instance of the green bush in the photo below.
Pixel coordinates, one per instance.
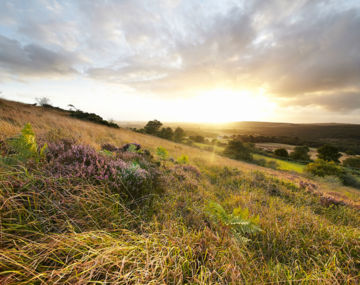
(239, 222)
(237, 150)
(329, 153)
(324, 168)
(300, 153)
(282, 152)
(24, 147)
(162, 153)
(183, 159)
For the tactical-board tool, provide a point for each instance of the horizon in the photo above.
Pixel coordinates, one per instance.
(213, 62)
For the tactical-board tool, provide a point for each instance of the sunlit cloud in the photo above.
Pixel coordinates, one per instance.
(188, 54)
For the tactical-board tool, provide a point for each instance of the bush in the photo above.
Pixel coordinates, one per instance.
(300, 153)
(324, 168)
(162, 153)
(272, 164)
(329, 153)
(166, 133)
(79, 161)
(183, 159)
(282, 152)
(239, 222)
(237, 150)
(92, 118)
(24, 147)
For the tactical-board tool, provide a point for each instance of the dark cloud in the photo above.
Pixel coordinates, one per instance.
(34, 60)
(342, 102)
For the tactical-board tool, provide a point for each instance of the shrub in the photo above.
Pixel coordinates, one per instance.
(92, 118)
(237, 150)
(324, 168)
(239, 223)
(272, 164)
(79, 161)
(166, 133)
(183, 159)
(282, 152)
(329, 153)
(24, 147)
(300, 153)
(162, 153)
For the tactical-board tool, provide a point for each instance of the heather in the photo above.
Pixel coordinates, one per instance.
(86, 211)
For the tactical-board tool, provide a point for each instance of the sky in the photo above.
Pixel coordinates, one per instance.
(180, 60)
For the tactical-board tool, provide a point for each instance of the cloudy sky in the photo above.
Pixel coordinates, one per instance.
(186, 60)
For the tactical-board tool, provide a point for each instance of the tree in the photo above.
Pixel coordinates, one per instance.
(329, 153)
(43, 101)
(282, 152)
(166, 133)
(152, 127)
(179, 134)
(300, 153)
(237, 150)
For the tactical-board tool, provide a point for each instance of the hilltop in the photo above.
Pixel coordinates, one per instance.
(80, 212)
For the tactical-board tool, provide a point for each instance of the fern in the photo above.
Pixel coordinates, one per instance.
(24, 147)
(239, 222)
(162, 153)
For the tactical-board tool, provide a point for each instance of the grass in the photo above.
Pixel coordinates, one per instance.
(75, 231)
(282, 164)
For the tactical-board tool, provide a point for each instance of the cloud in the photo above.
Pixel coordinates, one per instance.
(34, 60)
(341, 102)
(304, 52)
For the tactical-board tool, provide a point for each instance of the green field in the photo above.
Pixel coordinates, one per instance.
(283, 165)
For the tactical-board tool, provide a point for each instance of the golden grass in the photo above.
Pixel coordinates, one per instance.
(51, 124)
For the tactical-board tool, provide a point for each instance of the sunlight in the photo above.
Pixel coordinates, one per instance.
(223, 105)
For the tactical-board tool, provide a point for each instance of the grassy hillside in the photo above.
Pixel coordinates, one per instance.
(78, 215)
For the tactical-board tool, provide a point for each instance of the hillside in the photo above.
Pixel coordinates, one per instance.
(135, 218)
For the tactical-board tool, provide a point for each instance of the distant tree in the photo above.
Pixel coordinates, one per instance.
(152, 127)
(179, 134)
(166, 133)
(199, 139)
(71, 106)
(237, 150)
(43, 101)
(282, 152)
(353, 162)
(329, 153)
(300, 153)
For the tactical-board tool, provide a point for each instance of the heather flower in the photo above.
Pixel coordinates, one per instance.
(80, 161)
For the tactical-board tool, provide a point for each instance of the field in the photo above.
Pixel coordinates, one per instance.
(282, 164)
(290, 148)
(195, 223)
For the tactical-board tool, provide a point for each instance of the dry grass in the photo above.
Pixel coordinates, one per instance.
(54, 231)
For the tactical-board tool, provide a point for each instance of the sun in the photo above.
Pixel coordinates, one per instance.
(224, 105)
